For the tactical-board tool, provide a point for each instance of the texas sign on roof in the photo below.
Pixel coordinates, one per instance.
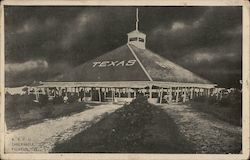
(129, 63)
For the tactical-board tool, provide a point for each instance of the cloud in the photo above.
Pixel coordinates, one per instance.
(216, 31)
(237, 31)
(33, 25)
(199, 57)
(18, 74)
(51, 22)
(26, 66)
(25, 28)
(28, 26)
(76, 29)
(194, 37)
(177, 26)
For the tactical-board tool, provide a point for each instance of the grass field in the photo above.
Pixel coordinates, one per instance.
(227, 114)
(135, 128)
(21, 111)
(228, 109)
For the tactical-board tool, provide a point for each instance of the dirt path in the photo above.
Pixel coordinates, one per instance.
(208, 134)
(42, 137)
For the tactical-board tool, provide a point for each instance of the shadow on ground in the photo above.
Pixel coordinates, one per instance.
(135, 128)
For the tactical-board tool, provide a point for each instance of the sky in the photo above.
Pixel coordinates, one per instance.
(42, 42)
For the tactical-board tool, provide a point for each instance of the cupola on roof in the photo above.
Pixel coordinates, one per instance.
(136, 37)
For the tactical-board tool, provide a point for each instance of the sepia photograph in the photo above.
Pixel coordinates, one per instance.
(123, 79)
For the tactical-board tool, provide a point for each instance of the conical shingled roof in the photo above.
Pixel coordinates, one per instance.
(129, 63)
(110, 68)
(162, 69)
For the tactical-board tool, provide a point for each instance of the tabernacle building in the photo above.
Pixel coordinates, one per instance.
(125, 72)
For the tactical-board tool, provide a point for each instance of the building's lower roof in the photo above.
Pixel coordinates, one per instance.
(129, 63)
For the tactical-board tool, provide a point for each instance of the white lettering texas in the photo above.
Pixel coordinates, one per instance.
(114, 63)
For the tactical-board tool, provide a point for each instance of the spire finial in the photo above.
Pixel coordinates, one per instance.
(137, 19)
(137, 38)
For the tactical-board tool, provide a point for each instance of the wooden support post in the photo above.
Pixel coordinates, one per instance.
(135, 93)
(84, 94)
(48, 91)
(161, 94)
(196, 92)
(105, 94)
(45, 90)
(78, 91)
(113, 98)
(59, 91)
(170, 95)
(191, 92)
(36, 94)
(218, 94)
(150, 91)
(66, 91)
(185, 95)
(129, 94)
(208, 92)
(91, 94)
(177, 95)
(99, 93)
(54, 92)
(119, 92)
(42, 90)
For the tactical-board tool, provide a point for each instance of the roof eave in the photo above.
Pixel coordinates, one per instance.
(131, 84)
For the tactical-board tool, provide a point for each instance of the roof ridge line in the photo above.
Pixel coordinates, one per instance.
(143, 68)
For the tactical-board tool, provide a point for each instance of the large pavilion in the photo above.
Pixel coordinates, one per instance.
(125, 72)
